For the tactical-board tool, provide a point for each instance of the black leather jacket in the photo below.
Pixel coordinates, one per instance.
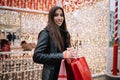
(47, 53)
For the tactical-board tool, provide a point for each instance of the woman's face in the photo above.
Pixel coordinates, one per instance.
(58, 18)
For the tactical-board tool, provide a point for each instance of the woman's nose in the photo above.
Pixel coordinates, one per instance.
(59, 17)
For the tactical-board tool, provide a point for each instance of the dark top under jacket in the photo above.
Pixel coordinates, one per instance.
(49, 55)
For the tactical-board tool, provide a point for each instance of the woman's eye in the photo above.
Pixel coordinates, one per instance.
(61, 15)
(56, 14)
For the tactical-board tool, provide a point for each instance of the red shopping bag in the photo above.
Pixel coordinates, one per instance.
(80, 69)
(62, 72)
(70, 74)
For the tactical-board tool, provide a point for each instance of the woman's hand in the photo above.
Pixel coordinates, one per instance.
(70, 53)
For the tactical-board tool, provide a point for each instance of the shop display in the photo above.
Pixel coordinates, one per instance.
(9, 18)
(88, 27)
(42, 5)
(19, 65)
(72, 5)
(31, 25)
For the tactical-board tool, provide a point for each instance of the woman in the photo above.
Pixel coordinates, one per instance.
(53, 43)
(9, 37)
(5, 45)
(13, 37)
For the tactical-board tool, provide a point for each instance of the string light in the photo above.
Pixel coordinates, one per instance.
(88, 26)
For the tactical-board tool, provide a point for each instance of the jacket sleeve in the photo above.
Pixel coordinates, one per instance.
(40, 55)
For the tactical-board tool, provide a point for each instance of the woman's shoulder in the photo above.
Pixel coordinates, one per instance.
(44, 32)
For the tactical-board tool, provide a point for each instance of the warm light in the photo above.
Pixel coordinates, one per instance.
(88, 26)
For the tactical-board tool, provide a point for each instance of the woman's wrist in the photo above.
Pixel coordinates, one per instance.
(65, 54)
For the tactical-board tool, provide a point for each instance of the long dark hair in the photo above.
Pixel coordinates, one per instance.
(54, 29)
